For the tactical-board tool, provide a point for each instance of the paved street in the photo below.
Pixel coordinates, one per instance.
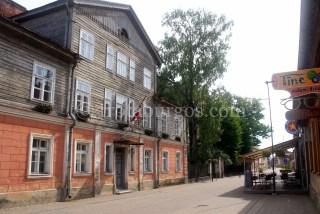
(221, 196)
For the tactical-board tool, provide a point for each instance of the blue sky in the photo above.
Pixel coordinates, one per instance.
(265, 40)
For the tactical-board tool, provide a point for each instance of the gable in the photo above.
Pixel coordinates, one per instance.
(114, 20)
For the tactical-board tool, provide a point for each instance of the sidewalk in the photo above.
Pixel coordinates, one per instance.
(220, 196)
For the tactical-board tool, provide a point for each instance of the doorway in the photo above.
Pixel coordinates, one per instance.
(120, 169)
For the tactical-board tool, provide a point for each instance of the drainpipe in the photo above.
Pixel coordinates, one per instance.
(158, 163)
(69, 149)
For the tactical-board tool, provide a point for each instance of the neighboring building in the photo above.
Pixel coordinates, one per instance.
(309, 57)
(106, 145)
(34, 74)
(10, 8)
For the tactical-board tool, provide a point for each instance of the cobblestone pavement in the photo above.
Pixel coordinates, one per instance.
(220, 196)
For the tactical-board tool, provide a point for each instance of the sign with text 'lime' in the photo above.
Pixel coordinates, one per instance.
(299, 82)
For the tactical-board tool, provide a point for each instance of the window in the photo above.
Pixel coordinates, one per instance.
(132, 70)
(40, 161)
(121, 108)
(132, 158)
(148, 160)
(83, 157)
(178, 161)
(43, 83)
(108, 158)
(165, 163)
(83, 92)
(122, 65)
(131, 109)
(147, 117)
(177, 126)
(164, 123)
(86, 48)
(147, 78)
(109, 58)
(107, 103)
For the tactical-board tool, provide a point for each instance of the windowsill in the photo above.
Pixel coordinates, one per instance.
(82, 174)
(39, 176)
(148, 173)
(179, 171)
(41, 101)
(121, 77)
(86, 59)
(109, 70)
(164, 172)
(132, 173)
(108, 173)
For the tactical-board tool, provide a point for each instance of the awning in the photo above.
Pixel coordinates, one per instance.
(281, 146)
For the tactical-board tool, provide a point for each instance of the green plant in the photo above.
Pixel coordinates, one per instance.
(148, 132)
(280, 153)
(177, 138)
(82, 116)
(266, 154)
(122, 125)
(43, 108)
(164, 135)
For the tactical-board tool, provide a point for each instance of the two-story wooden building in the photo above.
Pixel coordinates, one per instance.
(117, 136)
(34, 88)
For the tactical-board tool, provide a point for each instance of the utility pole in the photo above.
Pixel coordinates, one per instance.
(272, 150)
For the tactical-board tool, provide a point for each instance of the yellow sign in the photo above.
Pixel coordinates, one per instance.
(298, 83)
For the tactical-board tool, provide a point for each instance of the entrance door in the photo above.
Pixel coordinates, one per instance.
(120, 168)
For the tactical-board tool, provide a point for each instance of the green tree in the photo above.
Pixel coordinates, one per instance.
(194, 53)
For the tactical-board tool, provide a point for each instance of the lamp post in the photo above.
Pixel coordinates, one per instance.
(272, 151)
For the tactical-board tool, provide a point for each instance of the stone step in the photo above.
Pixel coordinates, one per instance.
(120, 192)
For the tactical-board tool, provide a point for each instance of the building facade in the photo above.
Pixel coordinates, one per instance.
(115, 135)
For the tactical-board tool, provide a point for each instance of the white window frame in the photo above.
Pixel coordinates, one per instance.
(122, 65)
(82, 93)
(120, 101)
(180, 162)
(144, 161)
(166, 122)
(90, 42)
(147, 79)
(88, 158)
(178, 126)
(163, 161)
(34, 75)
(110, 53)
(49, 163)
(110, 158)
(132, 70)
(131, 109)
(145, 118)
(107, 99)
(132, 167)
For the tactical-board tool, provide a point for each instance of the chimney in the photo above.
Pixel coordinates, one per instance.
(10, 8)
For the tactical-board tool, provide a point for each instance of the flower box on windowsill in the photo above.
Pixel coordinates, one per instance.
(122, 126)
(148, 132)
(43, 108)
(164, 135)
(82, 116)
(177, 138)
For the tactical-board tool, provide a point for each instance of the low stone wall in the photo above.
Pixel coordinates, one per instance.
(14, 199)
(315, 189)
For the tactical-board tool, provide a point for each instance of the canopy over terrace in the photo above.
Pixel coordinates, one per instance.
(259, 153)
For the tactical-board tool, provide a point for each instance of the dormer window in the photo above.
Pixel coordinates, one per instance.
(123, 34)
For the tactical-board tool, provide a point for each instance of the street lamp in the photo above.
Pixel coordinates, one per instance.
(272, 151)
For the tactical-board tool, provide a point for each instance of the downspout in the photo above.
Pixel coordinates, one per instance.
(69, 150)
(158, 163)
(68, 37)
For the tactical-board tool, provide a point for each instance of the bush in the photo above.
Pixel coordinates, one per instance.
(177, 138)
(43, 108)
(122, 125)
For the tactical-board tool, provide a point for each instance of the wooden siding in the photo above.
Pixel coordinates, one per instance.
(16, 69)
(50, 25)
(96, 74)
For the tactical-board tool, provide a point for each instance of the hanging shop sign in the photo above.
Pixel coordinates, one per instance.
(291, 127)
(299, 82)
(302, 114)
